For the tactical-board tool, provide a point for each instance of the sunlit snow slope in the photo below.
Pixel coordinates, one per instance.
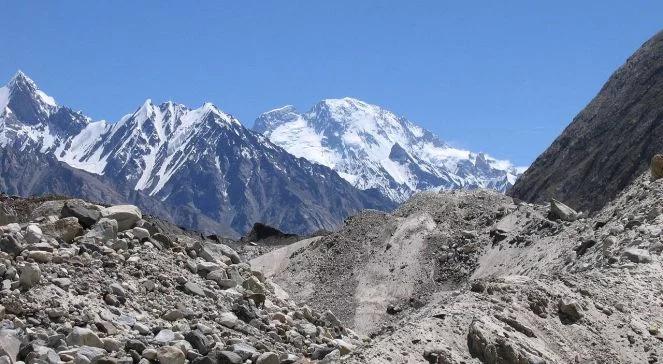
(374, 148)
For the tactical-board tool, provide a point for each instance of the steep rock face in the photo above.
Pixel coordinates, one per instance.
(201, 165)
(371, 147)
(609, 143)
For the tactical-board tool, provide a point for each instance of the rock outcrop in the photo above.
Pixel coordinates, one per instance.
(609, 143)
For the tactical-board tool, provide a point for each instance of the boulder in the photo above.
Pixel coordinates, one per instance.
(268, 358)
(244, 350)
(487, 343)
(656, 167)
(33, 234)
(253, 284)
(173, 315)
(226, 357)
(40, 256)
(81, 336)
(87, 214)
(198, 341)
(10, 245)
(42, 354)
(89, 354)
(140, 233)
(227, 319)
(637, 255)
(65, 229)
(10, 344)
(193, 289)
(30, 275)
(105, 229)
(126, 215)
(214, 252)
(569, 310)
(170, 355)
(165, 336)
(560, 211)
(48, 208)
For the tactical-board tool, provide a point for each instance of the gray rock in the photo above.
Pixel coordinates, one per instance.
(170, 355)
(268, 358)
(105, 229)
(142, 328)
(87, 214)
(126, 215)
(117, 290)
(66, 229)
(203, 268)
(214, 252)
(244, 350)
(198, 341)
(307, 329)
(42, 354)
(569, 310)
(10, 245)
(253, 284)
(321, 351)
(48, 208)
(140, 233)
(173, 315)
(561, 211)
(89, 353)
(40, 256)
(226, 283)
(10, 343)
(637, 255)
(30, 275)
(218, 276)
(193, 289)
(226, 357)
(227, 319)
(165, 336)
(33, 234)
(63, 283)
(81, 336)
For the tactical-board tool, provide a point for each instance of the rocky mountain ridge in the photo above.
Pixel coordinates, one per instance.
(608, 143)
(372, 147)
(201, 165)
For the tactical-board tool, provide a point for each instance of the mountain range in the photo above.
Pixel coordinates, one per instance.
(198, 167)
(372, 147)
(202, 169)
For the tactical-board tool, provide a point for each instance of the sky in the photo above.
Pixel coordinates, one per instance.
(502, 77)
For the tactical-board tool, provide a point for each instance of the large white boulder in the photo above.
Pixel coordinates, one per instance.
(126, 215)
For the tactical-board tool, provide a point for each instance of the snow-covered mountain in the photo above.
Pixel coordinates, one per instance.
(208, 171)
(374, 148)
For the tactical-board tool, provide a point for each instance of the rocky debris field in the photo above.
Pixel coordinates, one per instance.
(475, 276)
(82, 283)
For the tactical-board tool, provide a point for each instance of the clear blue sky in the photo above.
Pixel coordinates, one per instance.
(498, 76)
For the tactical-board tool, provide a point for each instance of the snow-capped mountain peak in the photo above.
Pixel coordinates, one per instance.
(212, 172)
(24, 98)
(372, 147)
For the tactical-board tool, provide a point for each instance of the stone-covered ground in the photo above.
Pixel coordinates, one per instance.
(83, 283)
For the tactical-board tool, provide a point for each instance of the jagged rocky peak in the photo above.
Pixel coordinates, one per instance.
(372, 147)
(24, 99)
